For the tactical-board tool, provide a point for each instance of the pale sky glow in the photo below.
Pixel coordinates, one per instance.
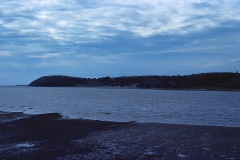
(114, 38)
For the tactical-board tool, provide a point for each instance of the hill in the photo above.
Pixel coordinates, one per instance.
(57, 81)
(220, 80)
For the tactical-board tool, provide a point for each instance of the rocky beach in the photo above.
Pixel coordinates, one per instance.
(51, 136)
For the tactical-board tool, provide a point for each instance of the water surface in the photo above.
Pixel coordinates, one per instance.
(216, 108)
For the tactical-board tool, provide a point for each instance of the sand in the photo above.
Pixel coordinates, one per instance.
(50, 136)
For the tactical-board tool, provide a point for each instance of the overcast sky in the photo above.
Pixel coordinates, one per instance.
(96, 38)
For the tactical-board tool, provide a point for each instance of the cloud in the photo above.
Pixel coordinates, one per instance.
(21, 50)
(52, 63)
(43, 56)
(5, 53)
(117, 37)
(94, 20)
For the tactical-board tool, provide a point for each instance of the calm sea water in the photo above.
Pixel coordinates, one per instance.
(216, 108)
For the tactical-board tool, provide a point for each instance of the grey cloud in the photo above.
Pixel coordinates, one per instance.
(87, 22)
(117, 34)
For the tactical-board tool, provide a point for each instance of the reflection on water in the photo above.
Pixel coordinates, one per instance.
(180, 107)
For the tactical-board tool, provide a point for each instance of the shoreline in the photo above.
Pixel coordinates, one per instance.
(116, 87)
(50, 136)
(66, 117)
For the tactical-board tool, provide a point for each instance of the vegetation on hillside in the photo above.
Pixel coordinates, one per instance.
(198, 81)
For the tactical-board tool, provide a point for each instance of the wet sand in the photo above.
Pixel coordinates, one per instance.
(50, 136)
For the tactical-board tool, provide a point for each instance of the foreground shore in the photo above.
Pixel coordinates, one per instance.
(49, 136)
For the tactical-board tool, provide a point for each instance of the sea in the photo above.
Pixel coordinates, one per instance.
(194, 107)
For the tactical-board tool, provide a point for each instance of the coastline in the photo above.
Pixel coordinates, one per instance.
(50, 136)
(110, 87)
(126, 87)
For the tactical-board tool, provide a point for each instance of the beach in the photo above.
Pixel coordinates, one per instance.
(52, 136)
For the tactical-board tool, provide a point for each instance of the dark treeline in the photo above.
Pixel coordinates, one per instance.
(203, 80)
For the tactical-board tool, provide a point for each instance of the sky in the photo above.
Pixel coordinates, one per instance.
(97, 38)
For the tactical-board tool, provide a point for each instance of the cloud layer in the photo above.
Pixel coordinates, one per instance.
(98, 38)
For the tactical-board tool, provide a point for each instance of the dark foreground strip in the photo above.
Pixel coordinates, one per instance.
(49, 136)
